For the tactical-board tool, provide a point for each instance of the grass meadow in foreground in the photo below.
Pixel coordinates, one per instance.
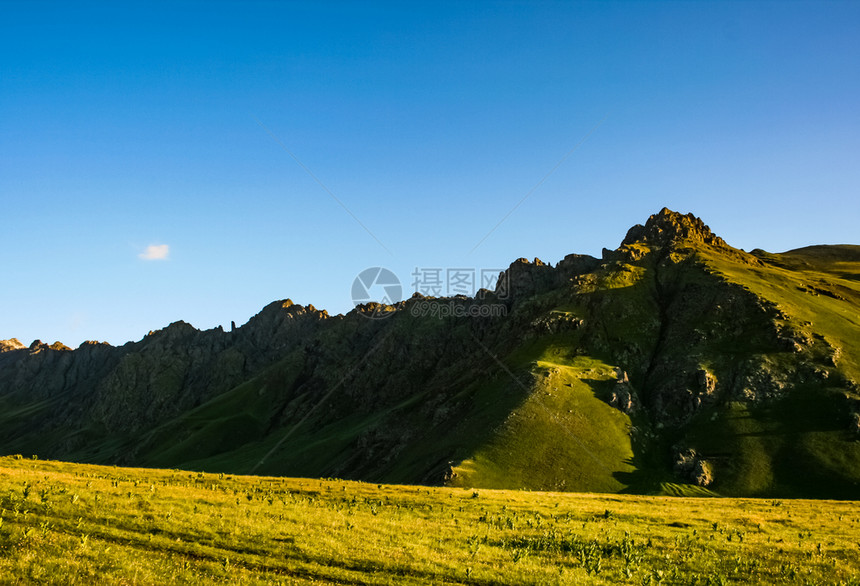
(79, 524)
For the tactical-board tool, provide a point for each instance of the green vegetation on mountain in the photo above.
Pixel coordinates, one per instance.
(674, 364)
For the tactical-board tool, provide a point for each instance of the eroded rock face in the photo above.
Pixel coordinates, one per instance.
(762, 381)
(692, 468)
(706, 381)
(555, 323)
(524, 279)
(667, 227)
(623, 397)
(575, 264)
(854, 425)
(128, 388)
(702, 473)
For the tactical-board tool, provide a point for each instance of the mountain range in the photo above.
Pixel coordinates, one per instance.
(673, 364)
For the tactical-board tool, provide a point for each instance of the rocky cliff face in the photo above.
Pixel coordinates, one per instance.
(524, 279)
(137, 385)
(728, 369)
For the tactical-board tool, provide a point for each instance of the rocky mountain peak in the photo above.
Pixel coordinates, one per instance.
(281, 306)
(286, 307)
(667, 227)
(93, 346)
(282, 314)
(10, 345)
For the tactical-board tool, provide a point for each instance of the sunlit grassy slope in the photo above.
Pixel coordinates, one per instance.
(562, 437)
(79, 524)
(801, 439)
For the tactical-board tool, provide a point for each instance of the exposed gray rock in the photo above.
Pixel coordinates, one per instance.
(555, 323)
(702, 473)
(834, 355)
(622, 396)
(707, 382)
(523, 279)
(575, 264)
(761, 380)
(692, 468)
(854, 425)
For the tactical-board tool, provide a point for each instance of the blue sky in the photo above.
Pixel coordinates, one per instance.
(125, 126)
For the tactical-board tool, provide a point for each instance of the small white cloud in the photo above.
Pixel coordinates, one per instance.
(155, 252)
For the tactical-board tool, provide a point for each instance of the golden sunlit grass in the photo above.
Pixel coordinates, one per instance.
(77, 524)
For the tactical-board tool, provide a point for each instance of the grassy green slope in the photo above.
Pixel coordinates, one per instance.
(79, 524)
(800, 444)
(562, 437)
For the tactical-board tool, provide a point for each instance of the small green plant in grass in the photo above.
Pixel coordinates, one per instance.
(630, 554)
(591, 559)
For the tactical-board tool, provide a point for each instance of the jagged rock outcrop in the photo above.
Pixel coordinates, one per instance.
(692, 468)
(667, 228)
(524, 279)
(10, 345)
(622, 396)
(854, 425)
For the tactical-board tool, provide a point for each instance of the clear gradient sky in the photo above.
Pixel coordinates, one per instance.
(140, 182)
